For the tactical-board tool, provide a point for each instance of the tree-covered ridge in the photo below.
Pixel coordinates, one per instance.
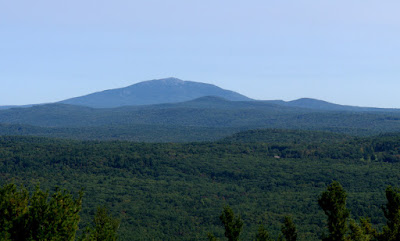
(209, 112)
(174, 191)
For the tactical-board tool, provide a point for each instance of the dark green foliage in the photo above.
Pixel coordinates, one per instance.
(175, 191)
(233, 224)
(13, 209)
(391, 231)
(211, 237)
(262, 234)
(289, 230)
(39, 217)
(105, 227)
(363, 231)
(285, 136)
(333, 202)
(136, 132)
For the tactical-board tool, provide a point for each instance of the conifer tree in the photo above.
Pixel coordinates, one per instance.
(40, 217)
(333, 202)
(391, 210)
(262, 234)
(363, 231)
(233, 224)
(13, 206)
(289, 230)
(105, 227)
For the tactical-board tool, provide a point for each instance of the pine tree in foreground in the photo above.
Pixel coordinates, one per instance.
(233, 224)
(49, 217)
(333, 202)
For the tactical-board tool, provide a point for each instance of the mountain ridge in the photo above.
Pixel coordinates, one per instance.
(174, 90)
(157, 91)
(204, 112)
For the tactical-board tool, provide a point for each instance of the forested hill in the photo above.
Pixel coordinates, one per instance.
(215, 113)
(169, 90)
(176, 191)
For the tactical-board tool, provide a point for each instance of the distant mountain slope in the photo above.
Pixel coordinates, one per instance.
(207, 112)
(321, 105)
(169, 90)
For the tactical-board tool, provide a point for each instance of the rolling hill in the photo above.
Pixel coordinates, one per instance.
(205, 118)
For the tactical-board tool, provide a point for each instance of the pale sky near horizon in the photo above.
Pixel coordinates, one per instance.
(342, 51)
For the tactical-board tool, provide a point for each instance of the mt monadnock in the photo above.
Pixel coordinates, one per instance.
(174, 90)
(175, 110)
(159, 91)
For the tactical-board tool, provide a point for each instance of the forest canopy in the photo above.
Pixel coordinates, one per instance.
(176, 190)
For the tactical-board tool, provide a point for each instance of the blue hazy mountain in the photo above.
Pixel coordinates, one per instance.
(320, 105)
(169, 90)
(173, 90)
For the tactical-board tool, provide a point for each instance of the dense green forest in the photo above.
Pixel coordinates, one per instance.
(172, 191)
(137, 133)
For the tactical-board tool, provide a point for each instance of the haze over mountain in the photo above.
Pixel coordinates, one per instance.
(321, 105)
(215, 114)
(169, 90)
(173, 90)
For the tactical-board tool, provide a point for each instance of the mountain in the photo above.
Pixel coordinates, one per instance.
(169, 90)
(321, 105)
(173, 90)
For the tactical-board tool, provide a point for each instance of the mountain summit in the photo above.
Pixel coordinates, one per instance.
(158, 91)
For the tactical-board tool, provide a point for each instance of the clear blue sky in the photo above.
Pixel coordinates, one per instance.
(342, 51)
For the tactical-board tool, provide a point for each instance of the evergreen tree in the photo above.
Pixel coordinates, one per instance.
(105, 227)
(13, 206)
(262, 234)
(391, 231)
(333, 202)
(39, 217)
(363, 231)
(289, 230)
(233, 225)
